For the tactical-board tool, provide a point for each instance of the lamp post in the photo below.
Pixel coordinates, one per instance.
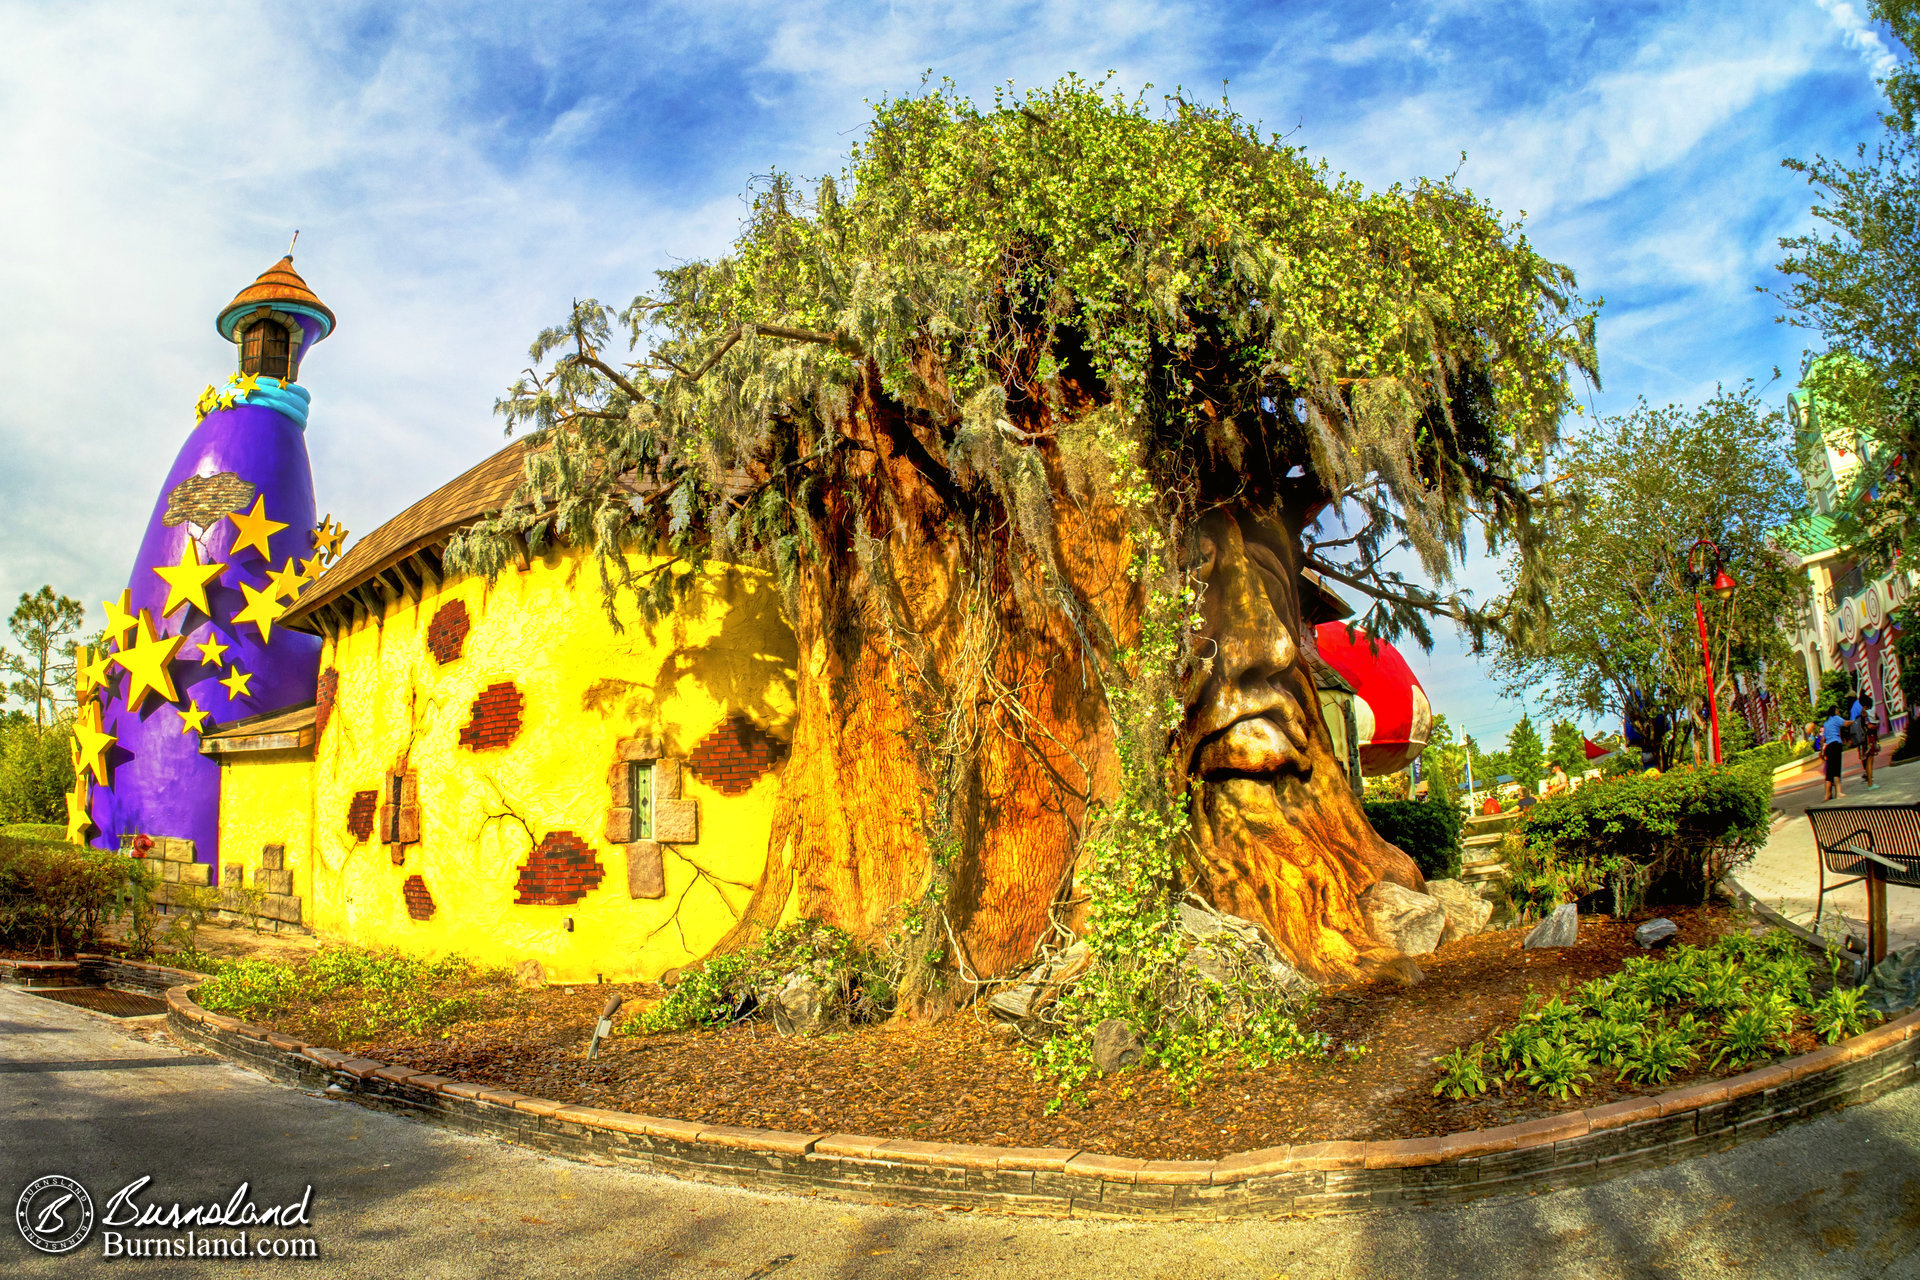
(1722, 585)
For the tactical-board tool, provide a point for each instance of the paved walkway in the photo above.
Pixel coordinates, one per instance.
(1838, 1197)
(1786, 876)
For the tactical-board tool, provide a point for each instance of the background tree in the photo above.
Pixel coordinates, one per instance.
(36, 771)
(1036, 413)
(1635, 494)
(1443, 763)
(1856, 282)
(1567, 747)
(43, 668)
(1526, 756)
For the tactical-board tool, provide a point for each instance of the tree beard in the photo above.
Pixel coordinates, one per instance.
(1292, 852)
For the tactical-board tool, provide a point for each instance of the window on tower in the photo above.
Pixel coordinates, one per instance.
(264, 349)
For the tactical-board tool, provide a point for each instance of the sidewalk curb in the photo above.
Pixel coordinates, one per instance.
(1571, 1149)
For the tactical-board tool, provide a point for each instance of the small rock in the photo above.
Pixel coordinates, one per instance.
(1561, 929)
(1403, 970)
(801, 1006)
(1467, 912)
(1408, 922)
(529, 973)
(671, 978)
(1656, 933)
(1115, 1046)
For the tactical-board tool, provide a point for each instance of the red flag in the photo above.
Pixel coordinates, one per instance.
(1594, 749)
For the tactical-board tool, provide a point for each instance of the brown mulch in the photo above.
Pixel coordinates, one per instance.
(958, 1081)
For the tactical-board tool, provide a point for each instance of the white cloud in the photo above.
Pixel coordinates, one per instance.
(1860, 35)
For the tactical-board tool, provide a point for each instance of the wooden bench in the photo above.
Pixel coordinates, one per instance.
(1877, 843)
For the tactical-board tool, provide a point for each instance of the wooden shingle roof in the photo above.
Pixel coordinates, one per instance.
(418, 531)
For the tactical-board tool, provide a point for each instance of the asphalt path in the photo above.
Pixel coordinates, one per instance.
(81, 1095)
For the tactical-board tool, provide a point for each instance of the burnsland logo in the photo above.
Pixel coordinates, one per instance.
(55, 1215)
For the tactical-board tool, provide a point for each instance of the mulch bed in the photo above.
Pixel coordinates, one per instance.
(959, 1081)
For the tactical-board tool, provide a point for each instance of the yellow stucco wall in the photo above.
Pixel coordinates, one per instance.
(267, 798)
(724, 651)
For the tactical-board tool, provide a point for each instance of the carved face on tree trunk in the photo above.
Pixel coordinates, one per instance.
(1279, 833)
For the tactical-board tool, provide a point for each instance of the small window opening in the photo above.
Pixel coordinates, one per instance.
(640, 797)
(397, 782)
(265, 350)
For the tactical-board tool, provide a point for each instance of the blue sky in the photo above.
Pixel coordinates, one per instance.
(459, 172)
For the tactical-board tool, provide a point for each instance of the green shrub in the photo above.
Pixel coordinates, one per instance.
(36, 772)
(1428, 831)
(729, 988)
(1769, 756)
(1668, 838)
(59, 895)
(45, 832)
(1462, 1072)
(361, 995)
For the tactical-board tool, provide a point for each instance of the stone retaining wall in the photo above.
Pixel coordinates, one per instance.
(94, 971)
(1573, 1149)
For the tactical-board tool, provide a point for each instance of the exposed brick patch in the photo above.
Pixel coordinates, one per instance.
(561, 869)
(360, 814)
(495, 720)
(324, 692)
(448, 631)
(419, 901)
(735, 756)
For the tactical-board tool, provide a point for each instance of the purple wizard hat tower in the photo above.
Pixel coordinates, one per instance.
(230, 543)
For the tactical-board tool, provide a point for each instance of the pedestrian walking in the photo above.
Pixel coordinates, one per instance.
(1866, 736)
(1834, 748)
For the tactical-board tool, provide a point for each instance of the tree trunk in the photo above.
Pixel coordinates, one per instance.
(949, 741)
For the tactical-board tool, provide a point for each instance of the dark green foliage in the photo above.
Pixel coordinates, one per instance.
(1661, 839)
(1427, 831)
(354, 995)
(1838, 688)
(36, 772)
(1731, 1004)
(1526, 757)
(58, 895)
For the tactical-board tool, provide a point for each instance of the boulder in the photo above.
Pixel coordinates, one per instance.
(802, 1005)
(1115, 1046)
(1561, 929)
(1656, 933)
(1408, 922)
(529, 973)
(1209, 929)
(1467, 912)
(1042, 985)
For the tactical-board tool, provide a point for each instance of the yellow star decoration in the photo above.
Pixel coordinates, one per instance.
(193, 719)
(328, 537)
(262, 608)
(212, 652)
(99, 672)
(94, 741)
(78, 820)
(146, 664)
(288, 581)
(311, 566)
(82, 660)
(208, 401)
(119, 618)
(247, 383)
(237, 682)
(187, 581)
(255, 528)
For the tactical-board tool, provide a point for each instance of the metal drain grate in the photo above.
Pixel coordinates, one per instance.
(121, 1004)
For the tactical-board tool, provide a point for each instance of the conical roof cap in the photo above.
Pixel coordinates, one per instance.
(279, 285)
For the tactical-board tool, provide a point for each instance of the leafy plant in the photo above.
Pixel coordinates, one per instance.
(735, 986)
(1611, 1040)
(1659, 1051)
(1558, 1068)
(1462, 1072)
(1841, 1013)
(1755, 1032)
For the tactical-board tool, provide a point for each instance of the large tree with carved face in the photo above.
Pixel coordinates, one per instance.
(1038, 413)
